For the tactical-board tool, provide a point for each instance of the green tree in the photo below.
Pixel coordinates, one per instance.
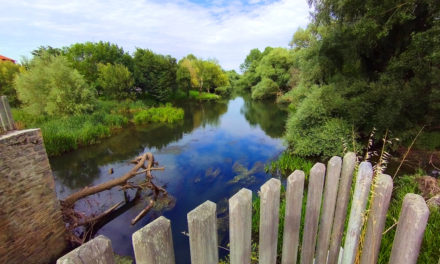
(155, 74)
(8, 71)
(116, 81)
(183, 79)
(52, 87)
(85, 58)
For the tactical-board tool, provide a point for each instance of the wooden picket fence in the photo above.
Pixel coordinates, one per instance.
(325, 215)
(6, 120)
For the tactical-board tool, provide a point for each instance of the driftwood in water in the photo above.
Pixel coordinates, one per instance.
(74, 219)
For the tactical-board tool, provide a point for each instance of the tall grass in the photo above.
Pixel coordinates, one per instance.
(162, 114)
(287, 163)
(66, 133)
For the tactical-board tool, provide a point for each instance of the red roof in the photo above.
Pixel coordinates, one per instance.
(3, 58)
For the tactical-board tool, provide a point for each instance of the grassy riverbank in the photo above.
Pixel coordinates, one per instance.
(66, 133)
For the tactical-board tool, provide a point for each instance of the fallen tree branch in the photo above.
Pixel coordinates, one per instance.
(95, 219)
(140, 163)
(143, 212)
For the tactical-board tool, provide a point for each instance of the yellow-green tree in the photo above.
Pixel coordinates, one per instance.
(8, 71)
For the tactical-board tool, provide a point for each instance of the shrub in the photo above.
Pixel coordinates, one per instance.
(116, 81)
(265, 89)
(162, 114)
(52, 87)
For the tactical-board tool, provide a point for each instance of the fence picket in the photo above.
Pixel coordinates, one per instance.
(348, 165)
(202, 227)
(376, 219)
(410, 229)
(269, 217)
(359, 202)
(292, 219)
(240, 224)
(328, 209)
(314, 196)
(96, 251)
(153, 244)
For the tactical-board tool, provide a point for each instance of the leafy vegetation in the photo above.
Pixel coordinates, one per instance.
(116, 81)
(287, 163)
(51, 87)
(162, 114)
(8, 71)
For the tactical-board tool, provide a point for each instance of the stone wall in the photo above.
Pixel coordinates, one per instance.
(31, 226)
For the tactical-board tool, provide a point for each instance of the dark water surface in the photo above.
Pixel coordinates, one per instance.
(219, 148)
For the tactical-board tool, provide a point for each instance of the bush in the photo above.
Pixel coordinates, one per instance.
(52, 87)
(203, 95)
(116, 81)
(265, 89)
(162, 114)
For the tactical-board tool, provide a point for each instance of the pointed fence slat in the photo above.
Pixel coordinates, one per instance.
(360, 197)
(269, 217)
(376, 219)
(153, 244)
(345, 181)
(240, 224)
(314, 196)
(328, 209)
(292, 219)
(96, 251)
(410, 229)
(202, 227)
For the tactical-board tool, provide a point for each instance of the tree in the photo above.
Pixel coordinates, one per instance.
(8, 71)
(52, 87)
(116, 81)
(183, 79)
(155, 74)
(85, 58)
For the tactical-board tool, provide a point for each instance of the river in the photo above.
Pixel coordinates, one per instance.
(219, 148)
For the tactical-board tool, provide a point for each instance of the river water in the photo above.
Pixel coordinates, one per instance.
(219, 148)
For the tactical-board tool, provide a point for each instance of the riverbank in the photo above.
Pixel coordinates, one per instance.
(62, 134)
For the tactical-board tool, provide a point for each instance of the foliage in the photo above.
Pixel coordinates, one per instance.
(85, 58)
(52, 87)
(155, 74)
(287, 163)
(66, 133)
(162, 114)
(266, 88)
(116, 81)
(203, 96)
(183, 77)
(8, 71)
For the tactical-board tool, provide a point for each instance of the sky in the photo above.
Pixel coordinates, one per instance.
(220, 29)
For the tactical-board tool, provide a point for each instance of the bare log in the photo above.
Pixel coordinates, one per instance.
(143, 212)
(95, 219)
(140, 163)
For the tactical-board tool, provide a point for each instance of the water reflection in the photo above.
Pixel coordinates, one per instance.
(219, 148)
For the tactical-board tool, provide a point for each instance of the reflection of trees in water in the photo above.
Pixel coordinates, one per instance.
(81, 167)
(268, 115)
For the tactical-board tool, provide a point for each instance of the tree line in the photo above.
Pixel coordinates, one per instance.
(63, 81)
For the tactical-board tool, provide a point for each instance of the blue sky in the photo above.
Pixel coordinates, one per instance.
(225, 30)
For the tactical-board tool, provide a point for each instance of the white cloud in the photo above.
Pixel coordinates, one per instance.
(226, 30)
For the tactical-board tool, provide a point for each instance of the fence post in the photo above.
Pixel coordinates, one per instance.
(269, 217)
(328, 209)
(240, 224)
(410, 229)
(348, 165)
(292, 219)
(96, 251)
(153, 244)
(314, 196)
(359, 202)
(376, 219)
(202, 227)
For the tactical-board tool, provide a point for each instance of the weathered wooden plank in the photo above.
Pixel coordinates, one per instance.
(348, 165)
(9, 121)
(240, 224)
(269, 219)
(328, 209)
(96, 251)
(376, 218)
(153, 244)
(292, 219)
(359, 202)
(313, 206)
(202, 227)
(4, 125)
(410, 229)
